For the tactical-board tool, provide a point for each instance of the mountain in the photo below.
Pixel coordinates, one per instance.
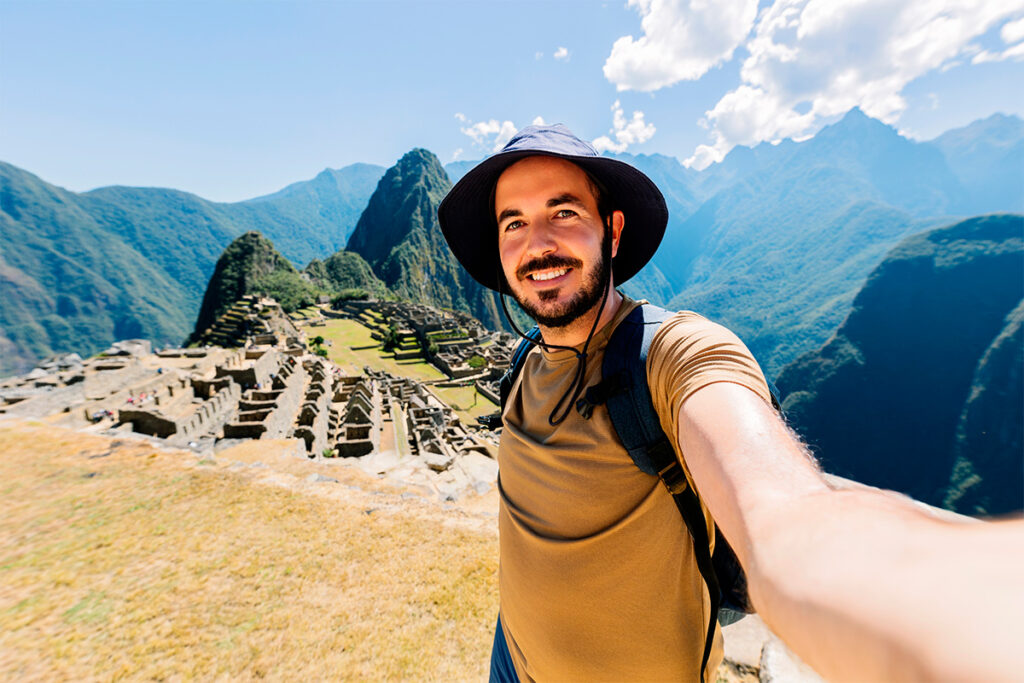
(774, 241)
(69, 283)
(779, 254)
(333, 200)
(904, 392)
(81, 270)
(400, 238)
(456, 169)
(987, 157)
(989, 439)
(344, 270)
(251, 265)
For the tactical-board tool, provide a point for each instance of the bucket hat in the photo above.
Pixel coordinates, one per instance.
(466, 214)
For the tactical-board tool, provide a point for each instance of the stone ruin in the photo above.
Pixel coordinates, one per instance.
(251, 319)
(446, 339)
(211, 397)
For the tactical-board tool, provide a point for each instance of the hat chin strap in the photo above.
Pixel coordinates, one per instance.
(573, 391)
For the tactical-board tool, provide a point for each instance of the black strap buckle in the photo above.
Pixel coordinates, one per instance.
(674, 478)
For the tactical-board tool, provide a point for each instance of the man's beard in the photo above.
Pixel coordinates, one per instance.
(582, 301)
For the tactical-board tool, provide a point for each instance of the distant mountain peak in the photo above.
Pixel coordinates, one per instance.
(857, 122)
(399, 237)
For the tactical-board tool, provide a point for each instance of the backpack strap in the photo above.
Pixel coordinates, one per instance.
(515, 366)
(631, 408)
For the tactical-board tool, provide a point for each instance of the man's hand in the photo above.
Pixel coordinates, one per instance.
(861, 583)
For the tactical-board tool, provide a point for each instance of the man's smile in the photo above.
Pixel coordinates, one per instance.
(545, 275)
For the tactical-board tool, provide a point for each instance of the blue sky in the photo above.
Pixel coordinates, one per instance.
(233, 99)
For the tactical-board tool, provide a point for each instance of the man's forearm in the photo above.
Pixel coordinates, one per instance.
(861, 583)
(875, 589)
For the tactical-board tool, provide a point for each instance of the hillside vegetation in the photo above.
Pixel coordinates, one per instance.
(920, 388)
(80, 271)
(775, 241)
(400, 238)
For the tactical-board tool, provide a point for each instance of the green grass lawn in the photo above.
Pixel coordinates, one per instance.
(346, 334)
(306, 313)
(466, 401)
(348, 349)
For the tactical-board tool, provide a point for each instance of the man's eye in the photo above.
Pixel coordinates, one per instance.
(513, 225)
(565, 213)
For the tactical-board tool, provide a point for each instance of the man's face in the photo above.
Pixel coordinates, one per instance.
(550, 237)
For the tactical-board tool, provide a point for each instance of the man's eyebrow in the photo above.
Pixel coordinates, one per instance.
(509, 213)
(565, 198)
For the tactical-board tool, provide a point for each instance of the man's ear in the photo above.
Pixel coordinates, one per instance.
(618, 221)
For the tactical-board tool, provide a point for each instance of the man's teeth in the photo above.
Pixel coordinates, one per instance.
(549, 274)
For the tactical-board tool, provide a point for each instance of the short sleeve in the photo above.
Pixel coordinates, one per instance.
(690, 352)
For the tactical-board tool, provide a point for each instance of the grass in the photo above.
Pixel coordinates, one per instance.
(305, 313)
(466, 401)
(124, 562)
(348, 349)
(349, 340)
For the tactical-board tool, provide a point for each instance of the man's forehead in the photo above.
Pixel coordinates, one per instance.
(543, 163)
(545, 174)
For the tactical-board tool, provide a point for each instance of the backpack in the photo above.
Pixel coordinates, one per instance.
(624, 389)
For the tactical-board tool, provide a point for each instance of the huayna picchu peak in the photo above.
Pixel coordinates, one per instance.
(399, 237)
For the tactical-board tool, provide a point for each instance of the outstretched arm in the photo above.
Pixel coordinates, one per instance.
(860, 583)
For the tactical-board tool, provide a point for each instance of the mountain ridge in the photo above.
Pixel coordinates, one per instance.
(775, 195)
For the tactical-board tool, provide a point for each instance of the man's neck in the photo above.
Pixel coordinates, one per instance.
(575, 333)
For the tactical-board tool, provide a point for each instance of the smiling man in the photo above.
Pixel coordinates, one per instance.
(600, 576)
(542, 259)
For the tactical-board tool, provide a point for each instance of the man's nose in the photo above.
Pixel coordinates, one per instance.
(540, 239)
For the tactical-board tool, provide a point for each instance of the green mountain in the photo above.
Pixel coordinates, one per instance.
(774, 241)
(989, 440)
(778, 255)
(904, 394)
(81, 270)
(400, 238)
(71, 284)
(344, 271)
(251, 265)
(330, 204)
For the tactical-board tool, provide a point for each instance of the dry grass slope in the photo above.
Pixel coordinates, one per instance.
(118, 560)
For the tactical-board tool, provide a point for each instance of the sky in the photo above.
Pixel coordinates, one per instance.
(232, 100)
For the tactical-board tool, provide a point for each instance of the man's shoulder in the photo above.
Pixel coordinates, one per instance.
(691, 330)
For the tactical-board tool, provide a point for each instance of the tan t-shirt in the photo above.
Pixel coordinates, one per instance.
(597, 575)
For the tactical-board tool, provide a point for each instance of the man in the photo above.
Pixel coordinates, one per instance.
(598, 577)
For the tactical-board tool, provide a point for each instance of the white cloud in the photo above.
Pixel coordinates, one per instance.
(625, 131)
(1012, 31)
(1012, 34)
(538, 55)
(457, 154)
(538, 121)
(682, 40)
(810, 60)
(561, 53)
(491, 135)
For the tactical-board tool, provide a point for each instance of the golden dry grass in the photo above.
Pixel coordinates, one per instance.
(128, 562)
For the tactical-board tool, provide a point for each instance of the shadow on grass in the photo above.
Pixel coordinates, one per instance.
(364, 348)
